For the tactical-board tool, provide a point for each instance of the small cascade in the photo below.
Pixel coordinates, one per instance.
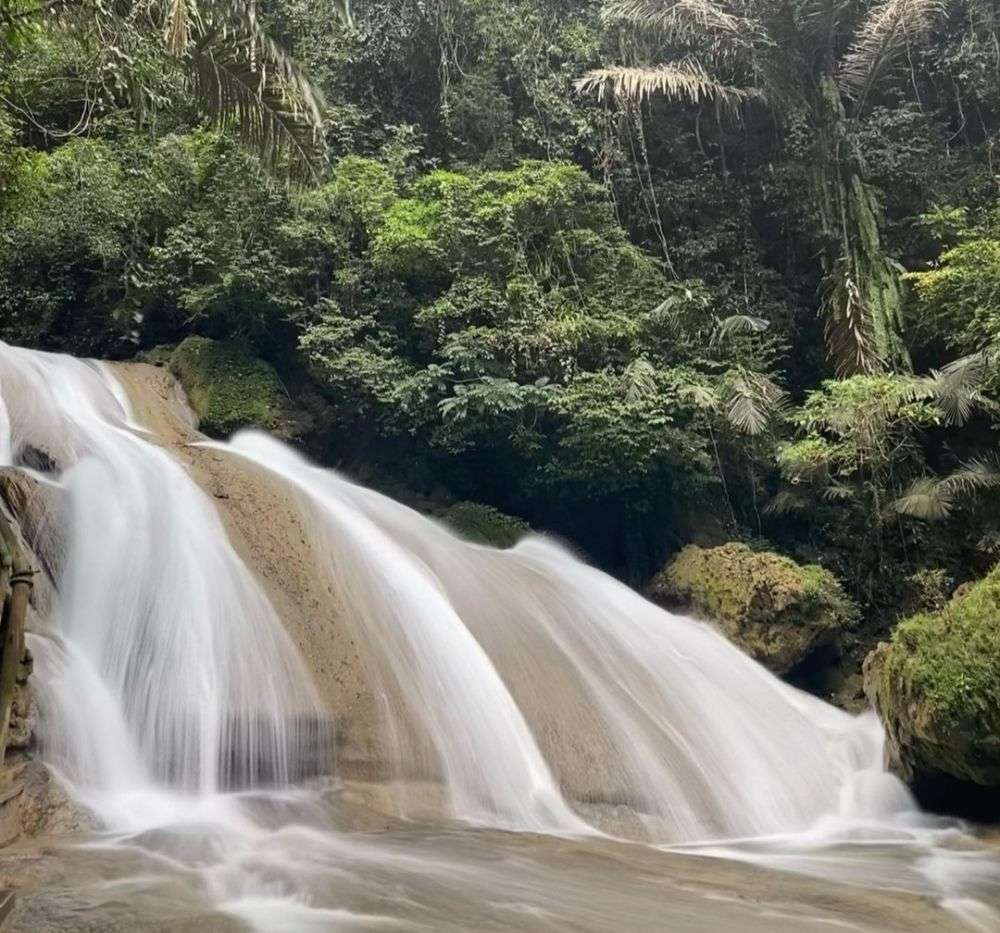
(521, 661)
(170, 670)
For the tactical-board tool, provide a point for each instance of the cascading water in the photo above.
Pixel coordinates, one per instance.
(171, 670)
(663, 714)
(540, 693)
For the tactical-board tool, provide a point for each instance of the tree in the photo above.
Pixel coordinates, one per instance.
(813, 63)
(236, 74)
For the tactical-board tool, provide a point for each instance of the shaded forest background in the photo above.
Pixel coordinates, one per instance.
(639, 279)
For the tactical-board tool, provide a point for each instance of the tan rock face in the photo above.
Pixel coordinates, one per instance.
(31, 803)
(265, 524)
(776, 610)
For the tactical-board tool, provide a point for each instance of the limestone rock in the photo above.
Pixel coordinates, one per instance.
(936, 687)
(779, 612)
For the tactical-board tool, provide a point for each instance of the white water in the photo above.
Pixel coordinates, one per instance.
(680, 724)
(171, 670)
(530, 681)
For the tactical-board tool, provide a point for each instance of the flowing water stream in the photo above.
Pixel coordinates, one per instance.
(551, 709)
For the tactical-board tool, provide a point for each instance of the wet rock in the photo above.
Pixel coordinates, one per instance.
(787, 616)
(483, 524)
(936, 687)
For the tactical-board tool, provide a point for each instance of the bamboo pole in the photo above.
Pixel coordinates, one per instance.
(17, 574)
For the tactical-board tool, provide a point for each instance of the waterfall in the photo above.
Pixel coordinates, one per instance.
(523, 677)
(538, 693)
(630, 704)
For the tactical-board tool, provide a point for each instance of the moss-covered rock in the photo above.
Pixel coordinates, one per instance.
(228, 388)
(936, 686)
(776, 610)
(484, 524)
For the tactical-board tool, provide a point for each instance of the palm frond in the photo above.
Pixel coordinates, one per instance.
(263, 98)
(785, 502)
(739, 324)
(640, 380)
(752, 401)
(244, 80)
(886, 31)
(838, 492)
(681, 20)
(989, 543)
(847, 329)
(927, 499)
(685, 80)
(957, 389)
(701, 396)
(973, 476)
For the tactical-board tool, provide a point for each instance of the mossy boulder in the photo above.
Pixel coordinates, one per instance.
(779, 612)
(936, 687)
(228, 388)
(484, 524)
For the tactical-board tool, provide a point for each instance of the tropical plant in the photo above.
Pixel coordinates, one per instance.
(811, 63)
(228, 65)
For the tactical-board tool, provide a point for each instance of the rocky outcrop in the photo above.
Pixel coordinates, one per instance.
(230, 389)
(936, 687)
(779, 612)
(30, 801)
(483, 524)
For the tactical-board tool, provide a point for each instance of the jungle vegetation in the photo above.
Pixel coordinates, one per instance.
(638, 272)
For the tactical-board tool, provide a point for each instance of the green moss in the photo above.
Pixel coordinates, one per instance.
(775, 609)
(228, 389)
(951, 658)
(484, 524)
(936, 686)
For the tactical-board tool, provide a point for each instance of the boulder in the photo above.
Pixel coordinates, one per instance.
(228, 388)
(936, 687)
(483, 524)
(779, 612)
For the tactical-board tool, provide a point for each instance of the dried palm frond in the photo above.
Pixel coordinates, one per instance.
(752, 401)
(678, 19)
(886, 31)
(847, 329)
(927, 499)
(640, 380)
(176, 32)
(685, 80)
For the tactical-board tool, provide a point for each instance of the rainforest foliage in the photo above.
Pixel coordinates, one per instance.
(637, 272)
